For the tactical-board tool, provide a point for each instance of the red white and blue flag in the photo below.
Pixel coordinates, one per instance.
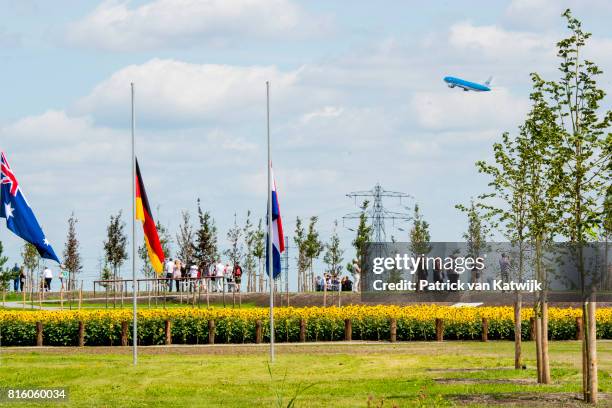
(278, 239)
(19, 216)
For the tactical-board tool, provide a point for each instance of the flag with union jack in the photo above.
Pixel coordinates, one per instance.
(19, 216)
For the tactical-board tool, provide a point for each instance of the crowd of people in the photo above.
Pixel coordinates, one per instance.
(19, 278)
(218, 277)
(333, 283)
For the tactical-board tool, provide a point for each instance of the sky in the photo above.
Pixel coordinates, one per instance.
(357, 98)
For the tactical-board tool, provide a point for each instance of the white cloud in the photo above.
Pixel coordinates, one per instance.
(114, 25)
(180, 92)
(539, 14)
(455, 109)
(495, 42)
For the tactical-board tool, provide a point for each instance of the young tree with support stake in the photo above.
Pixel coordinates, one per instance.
(585, 152)
(72, 257)
(205, 247)
(259, 252)
(184, 240)
(364, 235)
(539, 140)
(509, 182)
(313, 248)
(249, 264)
(299, 239)
(115, 246)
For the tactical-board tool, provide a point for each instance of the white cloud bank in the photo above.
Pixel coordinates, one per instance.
(116, 26)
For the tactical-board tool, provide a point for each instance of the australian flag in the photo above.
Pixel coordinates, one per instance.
(19, 216)
(278, 239)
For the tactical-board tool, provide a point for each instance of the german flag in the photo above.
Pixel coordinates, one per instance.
(143, 213)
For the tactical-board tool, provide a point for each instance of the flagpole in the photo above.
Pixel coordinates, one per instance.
(134, 303)
(270, 249)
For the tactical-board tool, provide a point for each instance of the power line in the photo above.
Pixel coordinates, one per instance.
(377, 213)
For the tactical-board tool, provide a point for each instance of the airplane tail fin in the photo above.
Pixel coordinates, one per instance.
(488, 81)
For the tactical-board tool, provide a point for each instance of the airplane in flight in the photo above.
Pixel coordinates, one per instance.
(467, 85)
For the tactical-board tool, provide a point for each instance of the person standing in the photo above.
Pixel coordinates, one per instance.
(15, 275)
(176, 274)
(22, 279)
(63, 277)
(48, 276)
(169, 270)
(504, 266)
(219, 274)
(237, 277)
(193, 276)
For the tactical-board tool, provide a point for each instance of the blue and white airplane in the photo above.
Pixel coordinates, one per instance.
(467, 85)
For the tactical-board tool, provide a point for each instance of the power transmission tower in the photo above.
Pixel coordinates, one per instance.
(377, 213)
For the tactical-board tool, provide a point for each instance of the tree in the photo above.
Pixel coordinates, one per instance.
(585, 153)
(540, 138)
(476, 234)
(419, 244)
(234, 252)
(185, 239)
(259, 252)
(419, 234)
(205, 249)
(5, 276)
(313, 248)
(363, 237)
(509, 213)
(249, 264)
(115, 246)
(31, 261)
(72, 256)
(334, 254)
(302, 260)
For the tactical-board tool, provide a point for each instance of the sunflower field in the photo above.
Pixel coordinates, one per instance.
(190, 326)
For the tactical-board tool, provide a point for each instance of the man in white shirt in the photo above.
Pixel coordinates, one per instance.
(193, 275)
(219, 274)
(169, 270)
(48, 275)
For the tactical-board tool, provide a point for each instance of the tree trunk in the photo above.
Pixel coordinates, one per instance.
(589, 347)
(261, 279)
(545, 357)
(538, 343)
(518, 364)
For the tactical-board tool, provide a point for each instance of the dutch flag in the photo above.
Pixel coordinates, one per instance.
(278, 240)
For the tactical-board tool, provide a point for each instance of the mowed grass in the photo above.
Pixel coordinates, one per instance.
(337, 375)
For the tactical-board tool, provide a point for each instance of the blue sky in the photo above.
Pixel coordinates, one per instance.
(357, 98)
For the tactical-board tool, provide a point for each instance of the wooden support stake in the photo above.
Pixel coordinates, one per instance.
(80, 295)
(39, 334)
(485, 329)
(211, 332)
(81, 333)
(439, 330)
(348, 330)
(168, 331)
(393, 330)
(124, 333)
(302, 330)
(579, 328)
(258, 332)
(532, 328)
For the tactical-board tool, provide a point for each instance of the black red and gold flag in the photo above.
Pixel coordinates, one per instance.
(143, 213)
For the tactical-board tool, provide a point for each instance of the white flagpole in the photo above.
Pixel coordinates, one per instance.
(134, 300)
(270, 249)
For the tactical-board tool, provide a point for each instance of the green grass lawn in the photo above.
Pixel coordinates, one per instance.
(337, 375)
